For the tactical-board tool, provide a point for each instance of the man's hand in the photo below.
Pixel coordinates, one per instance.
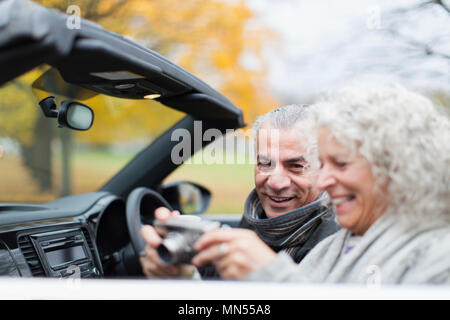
(152, 265)
(234, 252)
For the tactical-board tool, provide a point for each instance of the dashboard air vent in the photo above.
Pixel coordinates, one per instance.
(89, 241)
(28, 251)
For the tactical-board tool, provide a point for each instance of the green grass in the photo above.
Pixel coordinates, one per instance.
(104, 158)
(229, 183)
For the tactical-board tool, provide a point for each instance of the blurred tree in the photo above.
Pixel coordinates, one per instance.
(211, 38)
(432, 45)
(423, 47)
(20, 120)
(217, 41)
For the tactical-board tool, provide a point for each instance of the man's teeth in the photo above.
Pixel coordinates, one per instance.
(280, 199)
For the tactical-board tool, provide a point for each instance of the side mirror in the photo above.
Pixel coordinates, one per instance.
(187, 197)
(71, 114)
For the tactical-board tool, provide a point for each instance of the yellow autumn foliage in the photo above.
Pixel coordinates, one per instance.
(18, 111)
(206, 37)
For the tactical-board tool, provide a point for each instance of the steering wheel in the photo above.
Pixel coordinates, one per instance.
(141, 205)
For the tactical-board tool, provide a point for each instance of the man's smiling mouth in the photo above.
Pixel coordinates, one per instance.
(280, 199)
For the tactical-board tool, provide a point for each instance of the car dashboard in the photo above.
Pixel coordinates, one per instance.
(88, 241)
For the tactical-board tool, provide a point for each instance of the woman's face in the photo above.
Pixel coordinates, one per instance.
(348, 179)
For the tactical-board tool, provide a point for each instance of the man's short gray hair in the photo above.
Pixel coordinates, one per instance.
(289, 117)
(403, 136)
(283, 117)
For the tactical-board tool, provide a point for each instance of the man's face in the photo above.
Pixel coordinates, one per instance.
(283, 182)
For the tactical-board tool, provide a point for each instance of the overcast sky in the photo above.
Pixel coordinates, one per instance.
(326, 43)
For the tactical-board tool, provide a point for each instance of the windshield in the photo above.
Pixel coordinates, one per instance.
(41, 162)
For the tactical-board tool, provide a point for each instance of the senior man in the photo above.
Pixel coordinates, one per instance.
(286, 209)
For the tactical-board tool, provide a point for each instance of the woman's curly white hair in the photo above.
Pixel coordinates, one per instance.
(404, 137)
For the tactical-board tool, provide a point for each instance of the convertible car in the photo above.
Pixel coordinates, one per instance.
(91, 126)
(132, 92)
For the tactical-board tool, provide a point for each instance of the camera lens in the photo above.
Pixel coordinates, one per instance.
(175, 248)
(165, 254)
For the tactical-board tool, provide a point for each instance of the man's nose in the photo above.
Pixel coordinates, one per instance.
(278, 181)
(325, 180)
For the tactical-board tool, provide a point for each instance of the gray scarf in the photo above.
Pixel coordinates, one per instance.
(288, 231)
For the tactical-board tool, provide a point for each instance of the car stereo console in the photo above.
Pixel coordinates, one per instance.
(65, 253)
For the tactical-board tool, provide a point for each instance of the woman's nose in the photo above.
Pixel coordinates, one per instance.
(325, 180)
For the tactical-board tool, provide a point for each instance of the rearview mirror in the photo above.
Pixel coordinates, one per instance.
(71, 114)
(75, 115)
(187, 197)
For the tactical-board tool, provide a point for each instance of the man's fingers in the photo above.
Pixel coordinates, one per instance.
(210, 254)
(151, 263)
(228, 267)
(153, 256)
(211, 245)
(151, 269)
(149, 233)
(150, 236)
(162, 213)
(234, 252)
(218, 236)
(154, 266)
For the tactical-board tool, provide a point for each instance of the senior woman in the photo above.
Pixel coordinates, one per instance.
(385, 163)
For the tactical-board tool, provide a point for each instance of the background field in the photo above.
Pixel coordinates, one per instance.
(229, 183)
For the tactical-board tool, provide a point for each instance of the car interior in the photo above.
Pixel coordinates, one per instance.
(98, 232)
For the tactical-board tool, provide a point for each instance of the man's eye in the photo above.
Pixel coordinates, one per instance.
(264, 163)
